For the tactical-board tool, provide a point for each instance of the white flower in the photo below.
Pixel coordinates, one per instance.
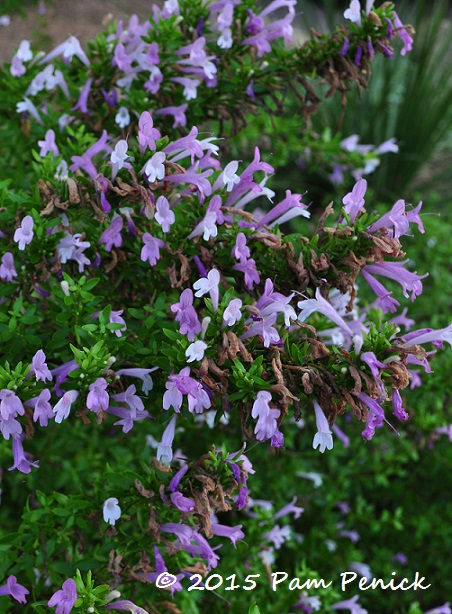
(119, 155)
(232, 313)
(154, 168)
(225, 40)
(122, 117)
(63, 407)
(24, 53)
(195, 351)
(323, 437)
(229, 176)
(112, 511)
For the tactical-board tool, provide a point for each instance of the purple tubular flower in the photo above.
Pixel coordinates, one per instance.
(147, 134)
(112, 236)
(323, 438)
(151, 249)
(354, 200)
(48, 144)
(21, 463)
(341, 435)
(183, 504)
(164, 216)
(290, 508)
(174, 484)
(83, 99)
(197, 179)
(125, 604)
(232, 533)
(143, 374)
(403, 33)
(13, 588)
(42, 408)
(345, 47)
(321, 305)
(290, 207)
(358, 56)
(398, 412)
(64, 598)
(7, 270)
(266, 425)
(397, 220)
(40, 368)
(418, 337)
(84, 161)
(376, 416)
(10, 405)
(115, 318)
(349, 604)
(386, 302)
(186, 315)
(395, 270)
(249, 269)
(98, 396)
(178, 113)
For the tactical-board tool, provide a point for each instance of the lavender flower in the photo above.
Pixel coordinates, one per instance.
(16, 590)
(70, 48)
(266, 417)
(232, 313)
(118, 157)
(195, 351)
(112, 236)
(21, 462)
(63, 407)
(147, 134)
(164, 450)
(40, 368)
(7, 270)
(151, 249)
(349, 604)
(98, 396)
(209, 285)
(115, 318)
(186, 315)
(82, 102)
(65, 598)
(42, 409)
(354, 200)
(24, 234)
(48, 145)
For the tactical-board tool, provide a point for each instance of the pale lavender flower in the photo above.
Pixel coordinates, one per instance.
(21, 463)
(147, 134)
(151, 249)
(84, 161)
(341, 435)
(354, 200)
(321, 305)
(125, 604)
(112, 235)
(353, 13)
(68, 49)
(265, 329)
(39, 367)
(130, 398)
(396, 271)
(290, 508)
(26, 106)
(24, 234)
(82, 102)
(385, 300)
(362, 569)
(7, 270)
(115, 318)
(399, 411)
(98, 396)
(63, 406)
(198, 400)
(111, 510)
(403, 33)
(229, 176)
(278, 535)
(164, 216)
(232, 313)
(241, 251)
(442, 609)
(177, 112)
(232, 533)
(266, 425)
(190, 87)
(195, 351)
(186, 315)
(323, 438)
(165, 447)
(375, 418)
(42, 408)
(290, 207)
(143, 374)
(48, 144)
(10, 405)
(13, 588)
(419, 337)
(349, 604)
(65, 598)
(249, 269)
(209, 285)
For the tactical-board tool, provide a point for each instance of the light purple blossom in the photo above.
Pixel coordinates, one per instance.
(266, 425)
(354, 200)
(151, 249)
(16, 590)
(147, 134)
(40, 368)
(21, 462)
(112, 235)
(399, 412)
(122, 117)
(26, 106)
(143, 374)
(48, 144)
(177, 112)
(349, 604)
(7, 270)
(195, 351)
(42, 409)
(98, 396)
(232, 533)
(241, 250)
(70, 48)
(290, 508)
(249, 269)
(154, 169)
(127, 605)
(115, 318)
(64, 598)
(164, 216)
(396, 271)
(24, 234)
(183, 504)
(323, 438)
(84, 161)
(403, 33)
(186, 315)
(118, 157)
(82, 101)
(321, 305)
(131, 399)
(375, 418)
(229, 176)
(10, 405)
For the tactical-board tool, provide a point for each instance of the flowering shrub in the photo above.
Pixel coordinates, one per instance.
(152, 307)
